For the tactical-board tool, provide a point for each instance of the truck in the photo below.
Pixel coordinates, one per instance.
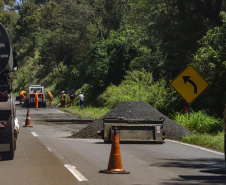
(133, 130)
(8, 64)
(30, 100)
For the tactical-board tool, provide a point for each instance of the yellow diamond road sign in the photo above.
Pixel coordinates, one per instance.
(189, 84)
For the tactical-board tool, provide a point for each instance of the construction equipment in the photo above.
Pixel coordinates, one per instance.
(8, 64)
(30, 100)
(133, 130)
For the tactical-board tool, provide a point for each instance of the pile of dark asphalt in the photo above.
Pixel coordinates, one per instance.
(134, 110)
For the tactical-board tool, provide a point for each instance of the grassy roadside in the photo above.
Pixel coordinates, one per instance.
(208, 129)
(211, 138)
(207, 140)
(90, 112)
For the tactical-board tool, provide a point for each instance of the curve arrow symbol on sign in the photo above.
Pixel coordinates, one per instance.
(187, 79)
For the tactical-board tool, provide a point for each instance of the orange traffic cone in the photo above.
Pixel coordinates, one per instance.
(28, 121)
(115, 161)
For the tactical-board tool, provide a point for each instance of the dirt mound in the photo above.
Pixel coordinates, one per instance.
(135, 110)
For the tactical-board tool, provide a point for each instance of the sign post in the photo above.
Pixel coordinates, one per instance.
(189, 84)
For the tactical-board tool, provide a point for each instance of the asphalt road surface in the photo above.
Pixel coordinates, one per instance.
(45, 155)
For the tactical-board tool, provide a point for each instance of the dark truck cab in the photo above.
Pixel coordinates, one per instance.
(8, 64)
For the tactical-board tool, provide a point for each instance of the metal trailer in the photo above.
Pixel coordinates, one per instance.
(133, 130)
(8, 64)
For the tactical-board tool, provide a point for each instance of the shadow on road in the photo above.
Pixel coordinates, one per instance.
(213, 171)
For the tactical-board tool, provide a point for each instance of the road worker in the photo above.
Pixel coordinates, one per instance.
(63, 99)
(36, 99)
(72, 98)
(22, 96)
(50, 96)
(81, 98)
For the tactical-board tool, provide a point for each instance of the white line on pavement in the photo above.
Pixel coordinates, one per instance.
(49, 149)
(34, 134)
(59, 111)
(194, 146)
(75, 172)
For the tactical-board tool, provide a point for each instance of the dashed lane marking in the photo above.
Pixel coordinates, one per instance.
(49, 149)
(75, 172)
(34, 134)
(194, 146)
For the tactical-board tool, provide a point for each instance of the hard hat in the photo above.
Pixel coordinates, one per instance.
(80, 92)
(62, 92)
(47, 90)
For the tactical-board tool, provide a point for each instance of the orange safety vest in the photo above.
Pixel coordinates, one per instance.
(36, 96)
(50, 95)
(23, 93)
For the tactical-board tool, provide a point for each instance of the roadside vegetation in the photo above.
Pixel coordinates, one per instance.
(120, 50)
(208, 129)
(90, 112)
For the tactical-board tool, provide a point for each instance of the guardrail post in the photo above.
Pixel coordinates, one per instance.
(225, 133)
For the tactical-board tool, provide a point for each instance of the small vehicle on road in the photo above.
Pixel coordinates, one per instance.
(30, 100)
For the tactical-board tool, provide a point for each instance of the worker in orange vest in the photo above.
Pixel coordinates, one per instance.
(22, 96)
(50, 97)
(36, 100)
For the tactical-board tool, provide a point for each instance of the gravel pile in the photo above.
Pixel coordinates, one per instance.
(135, 110)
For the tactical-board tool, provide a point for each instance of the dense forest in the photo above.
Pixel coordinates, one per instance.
(118, 50)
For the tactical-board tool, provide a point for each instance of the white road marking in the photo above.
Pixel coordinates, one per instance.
(49, 149)
(34, 134)
(75, 172)
(59, 111)
(194, 146)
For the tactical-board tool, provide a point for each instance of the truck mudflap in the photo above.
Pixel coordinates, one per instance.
(133, 130)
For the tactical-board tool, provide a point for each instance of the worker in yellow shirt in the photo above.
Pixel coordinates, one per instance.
(36, 100)
(22, 96)
(63, 99)
(50, 96)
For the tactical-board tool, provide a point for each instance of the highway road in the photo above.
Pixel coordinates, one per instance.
(45, 155)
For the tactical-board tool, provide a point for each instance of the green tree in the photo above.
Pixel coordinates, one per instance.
(27, 30)
(174, 27)
(210, 60)
(110, 59)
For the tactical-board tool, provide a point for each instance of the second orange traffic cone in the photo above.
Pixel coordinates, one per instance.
(115, 161)
(28, 120)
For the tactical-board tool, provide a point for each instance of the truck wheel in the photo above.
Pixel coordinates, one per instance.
(9, 155)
